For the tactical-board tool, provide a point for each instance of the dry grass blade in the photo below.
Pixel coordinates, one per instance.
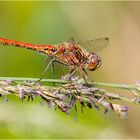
(64, 95)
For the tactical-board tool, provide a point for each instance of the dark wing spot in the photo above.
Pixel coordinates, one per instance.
(106, 38)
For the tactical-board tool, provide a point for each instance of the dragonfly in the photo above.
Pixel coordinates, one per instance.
(70, 53)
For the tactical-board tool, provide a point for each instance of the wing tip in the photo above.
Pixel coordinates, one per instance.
(106, 38)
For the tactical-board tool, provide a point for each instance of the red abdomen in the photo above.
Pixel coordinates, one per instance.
(4, 41)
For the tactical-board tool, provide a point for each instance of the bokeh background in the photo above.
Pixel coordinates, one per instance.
(55, 22)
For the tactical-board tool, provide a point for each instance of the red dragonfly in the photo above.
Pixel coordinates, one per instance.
(69, 53)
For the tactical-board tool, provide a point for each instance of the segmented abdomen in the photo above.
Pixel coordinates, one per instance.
(8, 42)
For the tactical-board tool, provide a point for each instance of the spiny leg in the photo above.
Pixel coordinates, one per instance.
(45, 71)
(56, 61)
(71, 73)
(51, 62)
(53, 69)
(88, 75)
(84, 74)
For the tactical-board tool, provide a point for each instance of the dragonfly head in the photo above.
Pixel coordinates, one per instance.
(49, 50)
(93, 61)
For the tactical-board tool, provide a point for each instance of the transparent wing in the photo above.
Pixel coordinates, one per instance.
(70, 40)
(95, 45)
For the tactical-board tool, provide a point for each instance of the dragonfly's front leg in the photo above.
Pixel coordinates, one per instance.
(85, 75)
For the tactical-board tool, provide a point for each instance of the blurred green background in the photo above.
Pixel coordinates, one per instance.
(55, 22)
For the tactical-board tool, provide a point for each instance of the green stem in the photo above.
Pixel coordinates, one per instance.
(34, 79)
(119, 86)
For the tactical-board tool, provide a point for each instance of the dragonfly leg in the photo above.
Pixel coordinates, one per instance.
(73, 70)
(70, 74)
(51, 61)
(85, 75)
(53, 69)
(88, 75)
